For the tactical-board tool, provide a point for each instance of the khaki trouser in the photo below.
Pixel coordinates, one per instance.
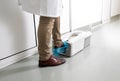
(48, 26)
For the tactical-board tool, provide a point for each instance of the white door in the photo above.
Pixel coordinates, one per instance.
(16, 29)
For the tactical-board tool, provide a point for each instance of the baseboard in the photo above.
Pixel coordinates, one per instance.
(106, 21)
(8, 61)
(115, 18)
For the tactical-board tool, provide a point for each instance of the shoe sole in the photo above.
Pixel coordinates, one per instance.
(49, 65)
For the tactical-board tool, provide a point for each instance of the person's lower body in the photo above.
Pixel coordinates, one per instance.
(49, 26)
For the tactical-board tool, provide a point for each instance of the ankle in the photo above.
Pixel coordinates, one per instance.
(58, 45)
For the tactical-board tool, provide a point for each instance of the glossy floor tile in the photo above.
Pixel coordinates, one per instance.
(98, 62)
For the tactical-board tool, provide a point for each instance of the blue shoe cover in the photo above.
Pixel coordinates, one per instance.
(61, 50)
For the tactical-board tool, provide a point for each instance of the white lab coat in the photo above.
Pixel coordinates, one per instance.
(49, 8)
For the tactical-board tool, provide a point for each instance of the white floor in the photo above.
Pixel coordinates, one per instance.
(98, 62)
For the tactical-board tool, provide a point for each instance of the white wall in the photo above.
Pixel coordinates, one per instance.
(85, 12)
(65, 17)
(80, 13)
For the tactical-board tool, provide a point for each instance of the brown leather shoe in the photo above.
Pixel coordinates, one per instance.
(52, 61)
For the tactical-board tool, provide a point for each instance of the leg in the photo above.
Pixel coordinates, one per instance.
(57, 41)
(44, 36)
